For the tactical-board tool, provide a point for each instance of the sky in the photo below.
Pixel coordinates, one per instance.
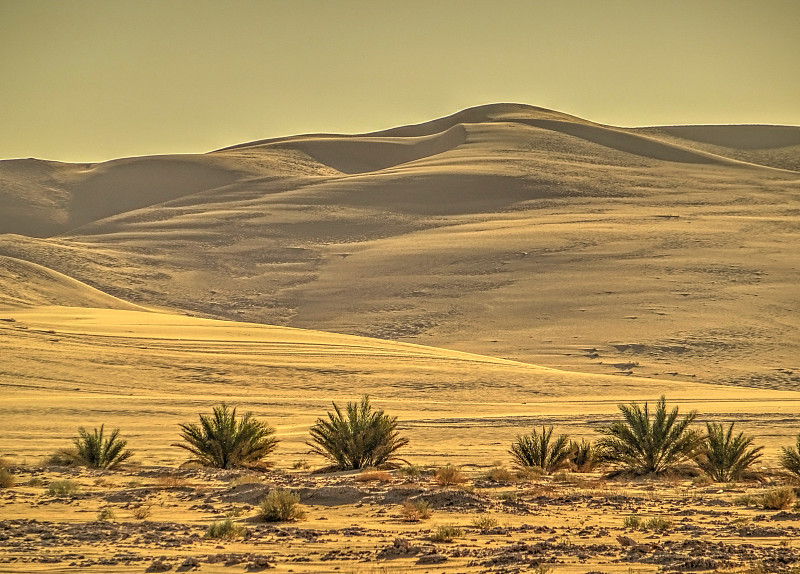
(87, 81)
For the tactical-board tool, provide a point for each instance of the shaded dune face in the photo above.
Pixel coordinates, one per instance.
(506, 230)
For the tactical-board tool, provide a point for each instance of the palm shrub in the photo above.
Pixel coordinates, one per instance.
(536, 450)
(357, 438)
(97, 451)
(790, 458)
(223, 441)
(725, 457)
(644, 446)
(583, 456)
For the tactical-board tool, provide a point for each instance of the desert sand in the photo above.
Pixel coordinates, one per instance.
(476, 275)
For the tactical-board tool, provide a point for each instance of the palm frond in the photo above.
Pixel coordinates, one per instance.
(535, 450)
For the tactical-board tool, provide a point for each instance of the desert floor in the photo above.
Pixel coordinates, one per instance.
(477, 275)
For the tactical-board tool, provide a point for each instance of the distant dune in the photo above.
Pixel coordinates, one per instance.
(505, 230)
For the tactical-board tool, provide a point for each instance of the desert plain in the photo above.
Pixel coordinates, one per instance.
(477, 275)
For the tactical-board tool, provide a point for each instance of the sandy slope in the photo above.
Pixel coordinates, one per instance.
(504, 230)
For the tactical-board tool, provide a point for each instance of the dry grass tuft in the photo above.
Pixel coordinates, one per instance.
(281, 505)
(446, 533)
(415, 511)
(374, 476)
(779, 498)
(6, 478)
(449, 475)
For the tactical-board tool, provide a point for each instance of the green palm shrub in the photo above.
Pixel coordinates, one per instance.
(96, 451)
(223, 441)
(536, 450)
(725, 457)
(360, 437)
(790, 458)
(641, 445)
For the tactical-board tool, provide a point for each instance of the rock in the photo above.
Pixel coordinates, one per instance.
(432, 559)
(158, 565)
(626, 541)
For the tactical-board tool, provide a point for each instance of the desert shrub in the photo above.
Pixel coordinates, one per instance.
(6, 478)
(62, 457)
(449, 475)
(374, 476)
(171, 480)
(484, 523)
(245, 479)
(96, 451)
(779, 498)
(723, 456)
(583, 456)
(281, 505)
(633, 522)
(35, 481)
(106, 514)
(790, 458)
(362, 437)
(410, 470)
(301, 464)
(415, 511)
(501, 475)
(142, 512)
(747, 500)
(62, 488)
(536, 450)
(227, 529)
(223, 441)
(644, 446)
(446, 533)
(657, 524)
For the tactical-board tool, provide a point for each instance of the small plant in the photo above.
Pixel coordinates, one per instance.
(226, 529)
(143, 511)
(374, 476)
(171, 480)
(632, 522)
(583, 456)
(541, 568)
(62, 488)
(134, 483)
(96, 451)
(62, 457)
(536, 450)
(509, 495)
(449, 475)
(106, 514)
(235, 511)
(779, 498)
(446, 533)
(301, 464)
(501, 475)
(561, 476)
(362, 438)
(35, 481)
(643, 446)
(484, 523)
(725, 457)
(657, 524)
(410, 470)
(223, 441)
(702, 480)
(245, 479)
(790, 458)
(747, 500)
(6, 478)
(415, 511)
(281, 505)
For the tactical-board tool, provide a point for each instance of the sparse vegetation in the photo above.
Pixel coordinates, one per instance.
(449, 475)
(410, 470)
(223, 441)
(227, 530)
(536, 450)
(63, 488)
(790, 458)
(96, 451)
(583, 456)
(415, 511)
(643, 446)
(723, 456)
(106, 514)
(6, 478)
(446, 533)
(363, 437)
(374, 476)
(779, 498)
(301, 464)
(501, 475)
(633, 522)
(142, 512)
(484, 522)
(655, 523)
(281, 505)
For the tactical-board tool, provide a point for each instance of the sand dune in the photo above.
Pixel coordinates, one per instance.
(503, 230)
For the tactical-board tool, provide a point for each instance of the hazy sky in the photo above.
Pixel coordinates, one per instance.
(93, 80)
